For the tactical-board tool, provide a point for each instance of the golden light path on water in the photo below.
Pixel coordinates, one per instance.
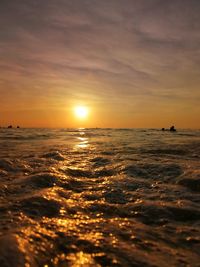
(83, 141)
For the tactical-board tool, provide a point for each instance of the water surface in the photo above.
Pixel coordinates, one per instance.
(99, 197)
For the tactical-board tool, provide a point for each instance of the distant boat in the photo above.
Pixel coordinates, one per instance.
(10, 126)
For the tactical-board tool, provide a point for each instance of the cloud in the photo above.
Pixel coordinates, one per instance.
(119, 48)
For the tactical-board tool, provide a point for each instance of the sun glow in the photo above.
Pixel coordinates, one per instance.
(81, 112)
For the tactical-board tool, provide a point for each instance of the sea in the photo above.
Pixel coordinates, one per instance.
(99, 197)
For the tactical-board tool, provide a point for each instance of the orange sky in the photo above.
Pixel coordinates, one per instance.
(132, 63)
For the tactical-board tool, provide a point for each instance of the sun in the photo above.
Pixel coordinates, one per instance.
(81, 112)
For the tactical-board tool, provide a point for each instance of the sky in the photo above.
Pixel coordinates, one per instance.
(133, 63)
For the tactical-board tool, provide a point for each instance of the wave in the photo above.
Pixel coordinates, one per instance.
(121, 199)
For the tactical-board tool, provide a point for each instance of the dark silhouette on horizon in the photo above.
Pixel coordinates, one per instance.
(171, 129)
(10, 126)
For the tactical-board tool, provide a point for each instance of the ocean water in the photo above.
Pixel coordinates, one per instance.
(99, 197)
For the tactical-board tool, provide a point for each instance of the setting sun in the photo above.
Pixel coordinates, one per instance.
(81, 112)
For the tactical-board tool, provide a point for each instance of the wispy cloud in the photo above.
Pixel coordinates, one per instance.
(116, 48)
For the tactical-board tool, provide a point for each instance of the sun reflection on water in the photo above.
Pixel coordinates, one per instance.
(83, 142)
